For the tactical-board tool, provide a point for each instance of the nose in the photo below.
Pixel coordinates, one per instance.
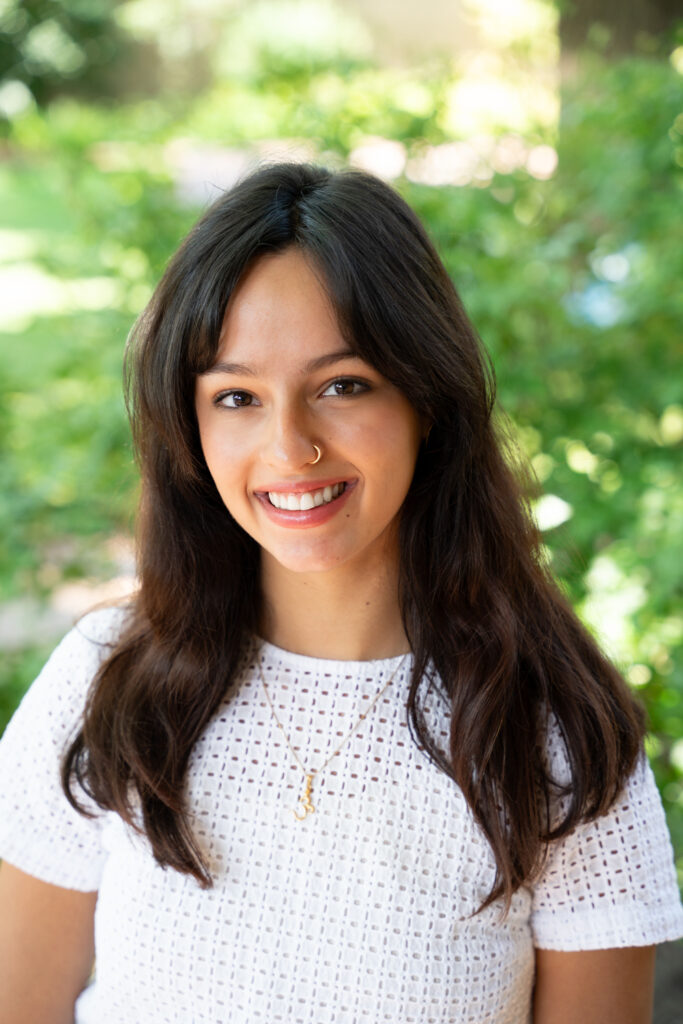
(289, 442)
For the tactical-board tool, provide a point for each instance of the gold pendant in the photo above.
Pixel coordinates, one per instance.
(305, 801)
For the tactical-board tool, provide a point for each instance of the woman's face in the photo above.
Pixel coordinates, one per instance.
(283, 380)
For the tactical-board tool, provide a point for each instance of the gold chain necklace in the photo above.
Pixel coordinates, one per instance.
(305, 798)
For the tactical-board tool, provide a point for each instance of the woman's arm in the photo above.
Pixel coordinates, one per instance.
(46, 948)
(602, 986)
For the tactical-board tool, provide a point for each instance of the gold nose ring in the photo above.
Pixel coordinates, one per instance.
(318, 456)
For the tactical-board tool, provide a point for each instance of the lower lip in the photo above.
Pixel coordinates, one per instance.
(311, 516)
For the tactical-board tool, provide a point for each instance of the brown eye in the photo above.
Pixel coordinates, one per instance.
(346, 387)
(235, 399)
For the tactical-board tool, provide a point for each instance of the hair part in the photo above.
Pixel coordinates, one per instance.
(490, 630)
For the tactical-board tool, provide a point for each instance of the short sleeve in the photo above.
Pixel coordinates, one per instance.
(611, 882)
(40, 832)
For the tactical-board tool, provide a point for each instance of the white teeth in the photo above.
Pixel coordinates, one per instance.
(306, 501)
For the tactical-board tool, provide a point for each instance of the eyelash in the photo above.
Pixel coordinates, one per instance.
(219, 400)
(362, 384)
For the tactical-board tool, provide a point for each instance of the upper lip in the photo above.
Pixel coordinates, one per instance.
(302, 487)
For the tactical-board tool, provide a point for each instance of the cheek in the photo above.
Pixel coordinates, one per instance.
(387, 427)
(387, 451)
(396, 436)
(224, 459)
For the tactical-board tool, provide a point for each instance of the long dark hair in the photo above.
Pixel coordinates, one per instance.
(490, 631)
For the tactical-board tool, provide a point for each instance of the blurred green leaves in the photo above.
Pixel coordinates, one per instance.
(48, 46)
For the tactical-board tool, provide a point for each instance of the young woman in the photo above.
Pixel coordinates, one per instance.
(348, 756)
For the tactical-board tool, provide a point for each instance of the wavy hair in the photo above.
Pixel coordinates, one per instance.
(491, 633)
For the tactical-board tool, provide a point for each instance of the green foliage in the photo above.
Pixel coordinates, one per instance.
(269, 42)
(93, 245)
(571, 282)
(50, 46)
(18, 666)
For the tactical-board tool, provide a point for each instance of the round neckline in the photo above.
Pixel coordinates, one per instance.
(301, 661)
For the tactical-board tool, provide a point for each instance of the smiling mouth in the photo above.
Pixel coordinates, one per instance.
(307, 500)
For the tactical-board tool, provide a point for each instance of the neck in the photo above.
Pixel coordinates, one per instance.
(345, 614)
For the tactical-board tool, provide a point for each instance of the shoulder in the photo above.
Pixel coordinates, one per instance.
(60, 690)
(40, 832)
(611, 881)
(91, 640)
(102, 627)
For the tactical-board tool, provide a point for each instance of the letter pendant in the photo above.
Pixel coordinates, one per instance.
(305, 801)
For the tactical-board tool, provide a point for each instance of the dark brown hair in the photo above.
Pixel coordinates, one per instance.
(492, 635)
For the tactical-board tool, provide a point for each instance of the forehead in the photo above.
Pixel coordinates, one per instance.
(281, 306)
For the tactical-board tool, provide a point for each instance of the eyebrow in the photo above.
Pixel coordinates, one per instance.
(242, 369)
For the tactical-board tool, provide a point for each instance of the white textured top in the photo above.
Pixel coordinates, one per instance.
(359, 914)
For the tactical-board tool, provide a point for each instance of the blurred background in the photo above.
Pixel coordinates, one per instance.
(542, 144)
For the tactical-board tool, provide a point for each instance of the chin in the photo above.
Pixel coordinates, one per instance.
(309, 565)
(305, 561)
